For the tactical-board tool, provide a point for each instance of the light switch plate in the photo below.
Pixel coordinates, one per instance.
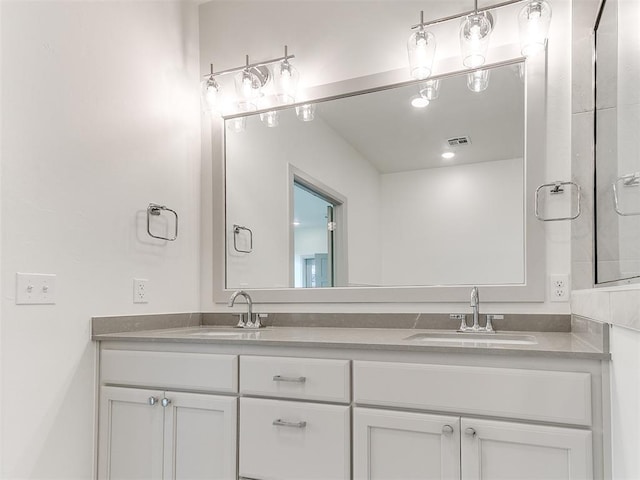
(35, 289)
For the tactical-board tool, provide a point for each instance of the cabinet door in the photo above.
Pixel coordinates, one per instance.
(130, 434)
(501, 450)
(390, 445)
(200, 437)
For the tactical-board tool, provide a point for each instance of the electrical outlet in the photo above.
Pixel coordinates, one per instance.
(140, 292)
(559, 288)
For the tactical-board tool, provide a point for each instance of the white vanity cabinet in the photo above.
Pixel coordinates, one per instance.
(166, 434)
(451, 447)
(292, 440)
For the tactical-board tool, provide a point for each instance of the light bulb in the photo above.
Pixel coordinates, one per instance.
(285, 80)
(474, 39)
(209, 91)
(421, 48)
(534, 20)
(248, 87)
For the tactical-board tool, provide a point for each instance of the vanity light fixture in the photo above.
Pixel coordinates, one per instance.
(285, 79)
(421, 48)
(534, 20)
(250, 80)
(475, 32)
(478, 80)
(306, 112)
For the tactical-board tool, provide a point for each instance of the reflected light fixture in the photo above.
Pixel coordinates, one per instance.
(238, 124)
(270, 119)
(421, 48)
(534, 20)
(430, 89)
(478, 81)
(448, 155)
(285, 79)
(419, 101)
(306, 112)
(475, 32)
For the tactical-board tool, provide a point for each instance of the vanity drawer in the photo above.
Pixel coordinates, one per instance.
(172, 370)
(310, 441)
(298, 378)
(540, 395)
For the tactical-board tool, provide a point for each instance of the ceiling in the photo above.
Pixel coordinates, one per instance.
(395, 136)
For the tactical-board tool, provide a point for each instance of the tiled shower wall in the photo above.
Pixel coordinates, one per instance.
(584, 14)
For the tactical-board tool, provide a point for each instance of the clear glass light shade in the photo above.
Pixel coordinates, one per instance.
(238, 124)
(270, 119)
(430, 89)
(478, 81)
(534, 20)
(285, 82)
(474, 39)
(210, 94)
(306, 112)
(421, 48)
(248, 87)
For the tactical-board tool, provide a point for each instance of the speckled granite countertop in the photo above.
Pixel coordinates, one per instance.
(555, 344)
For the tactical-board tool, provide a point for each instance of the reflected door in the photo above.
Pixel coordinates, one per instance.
(313, 238)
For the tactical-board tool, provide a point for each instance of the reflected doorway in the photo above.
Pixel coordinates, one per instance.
(317, 220)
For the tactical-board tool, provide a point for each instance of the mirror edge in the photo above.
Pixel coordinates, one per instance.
(533, 289)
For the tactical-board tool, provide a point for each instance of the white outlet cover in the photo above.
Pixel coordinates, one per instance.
(559, 288)
(35, 289)
(140, 290)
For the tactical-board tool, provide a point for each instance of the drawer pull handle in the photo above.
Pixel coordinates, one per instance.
(281, 423)
(447, 429)
(166, 402)
(470, 431)
(280, 378)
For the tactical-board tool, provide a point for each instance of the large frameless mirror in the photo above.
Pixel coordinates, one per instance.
(617, 118)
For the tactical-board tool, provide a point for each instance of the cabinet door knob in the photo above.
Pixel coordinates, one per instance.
(447, 429)
(166, 402)
(470, 431)
(153, 401)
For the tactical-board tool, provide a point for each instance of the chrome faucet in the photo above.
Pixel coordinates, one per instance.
(249, 322)
(475, 305)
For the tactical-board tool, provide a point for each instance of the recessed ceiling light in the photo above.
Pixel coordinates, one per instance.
(448, 155)
(419, 101)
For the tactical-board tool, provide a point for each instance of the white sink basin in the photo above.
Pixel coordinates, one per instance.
(477, 338)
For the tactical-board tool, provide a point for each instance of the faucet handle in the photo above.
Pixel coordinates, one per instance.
(241, 322)
(463, 320)
(490, 319)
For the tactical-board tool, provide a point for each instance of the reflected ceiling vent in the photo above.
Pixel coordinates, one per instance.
(459, 141)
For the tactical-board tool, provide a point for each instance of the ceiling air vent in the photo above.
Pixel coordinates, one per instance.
(459, 141)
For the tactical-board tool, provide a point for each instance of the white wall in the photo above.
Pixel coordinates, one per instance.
(99, 118)
(335, 41)
(466, 226)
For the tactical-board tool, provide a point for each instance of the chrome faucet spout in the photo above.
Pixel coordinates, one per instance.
(475, 305)
(241, 293)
